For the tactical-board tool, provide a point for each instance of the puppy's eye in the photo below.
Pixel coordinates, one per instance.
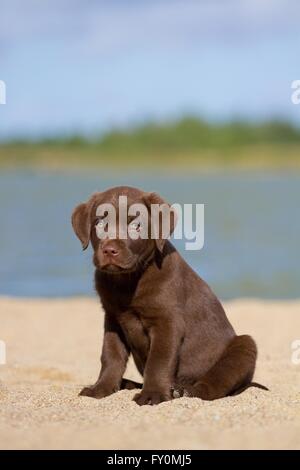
(99, 223)
(135, 226)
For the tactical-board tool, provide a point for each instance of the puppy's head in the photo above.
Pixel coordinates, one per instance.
(123, 236)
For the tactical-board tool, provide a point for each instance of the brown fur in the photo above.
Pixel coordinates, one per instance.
(159, 310)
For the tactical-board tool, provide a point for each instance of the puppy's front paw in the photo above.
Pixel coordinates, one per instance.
(96, 391)
(151, 398)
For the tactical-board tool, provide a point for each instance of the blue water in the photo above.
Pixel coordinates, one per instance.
(252, 231)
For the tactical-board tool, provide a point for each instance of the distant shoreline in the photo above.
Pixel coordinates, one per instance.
(254, 157)
(188, 143)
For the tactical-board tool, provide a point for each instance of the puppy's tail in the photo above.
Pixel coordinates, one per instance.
(251, 384)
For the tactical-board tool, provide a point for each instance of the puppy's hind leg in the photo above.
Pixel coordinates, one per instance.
(233, 371)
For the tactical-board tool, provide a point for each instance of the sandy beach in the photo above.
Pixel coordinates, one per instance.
(53, 349)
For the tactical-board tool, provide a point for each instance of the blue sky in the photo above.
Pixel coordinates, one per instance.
(87, 65)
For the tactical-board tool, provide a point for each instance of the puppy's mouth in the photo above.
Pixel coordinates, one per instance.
(115, 267)
(111, 268)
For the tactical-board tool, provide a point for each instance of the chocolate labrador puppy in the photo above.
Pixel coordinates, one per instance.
(159, 310)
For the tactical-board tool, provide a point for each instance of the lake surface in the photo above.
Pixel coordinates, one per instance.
(252, 231)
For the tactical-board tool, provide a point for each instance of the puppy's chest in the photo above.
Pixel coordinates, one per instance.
(134, 329)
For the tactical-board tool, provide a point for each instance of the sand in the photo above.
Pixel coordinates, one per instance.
(53, 349)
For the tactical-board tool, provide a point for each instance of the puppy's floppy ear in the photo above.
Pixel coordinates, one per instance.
(154, 198)
(81, 224)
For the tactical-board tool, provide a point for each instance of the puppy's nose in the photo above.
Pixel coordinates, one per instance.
(110, 250)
